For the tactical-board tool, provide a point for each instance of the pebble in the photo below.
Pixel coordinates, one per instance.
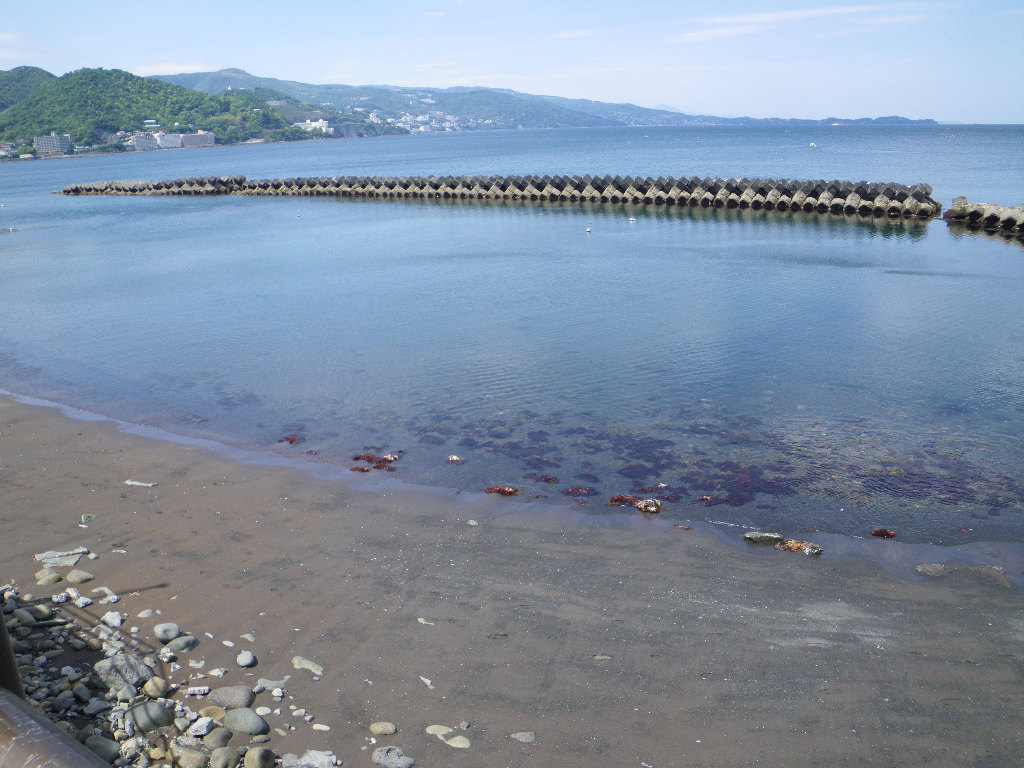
(382, 728)
(183, 643)
(78, 576)
(527, 737)
(246, 659)
(224, 756)
(111, 619)
(218, 737)
(392, 757)
(47, 576)
(458, 742)
(201, 727)
(259, 757)
(166, 631)
(231, 697)
(149, 715)
(263, 711)
(320, 727)
(122, 669)
(156, 688)
(245, 720)
(107, 749)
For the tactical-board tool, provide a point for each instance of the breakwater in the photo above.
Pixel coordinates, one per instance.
(992, 219)
(834, 197)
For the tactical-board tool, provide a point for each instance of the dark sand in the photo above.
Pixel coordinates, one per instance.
(718, 654)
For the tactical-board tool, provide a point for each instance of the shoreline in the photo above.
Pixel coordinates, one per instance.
(614, 645)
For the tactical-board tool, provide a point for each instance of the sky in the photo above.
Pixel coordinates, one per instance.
(951, 60)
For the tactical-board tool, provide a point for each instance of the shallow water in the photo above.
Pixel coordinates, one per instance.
(773, 370)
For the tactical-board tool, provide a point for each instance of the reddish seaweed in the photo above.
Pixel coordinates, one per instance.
(579, 490)
(502, 490)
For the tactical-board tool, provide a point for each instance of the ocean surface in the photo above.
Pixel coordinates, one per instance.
(793, 372)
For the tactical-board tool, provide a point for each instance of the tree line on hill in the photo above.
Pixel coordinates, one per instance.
(90, 105)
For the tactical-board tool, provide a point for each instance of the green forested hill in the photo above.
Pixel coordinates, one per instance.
(88, 103)
(19, 82)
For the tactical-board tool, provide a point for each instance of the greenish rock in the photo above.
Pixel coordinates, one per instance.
(760, 537)
(78, 576)
(149, 716)
(24, 617)
(106, 749)
(47, 576)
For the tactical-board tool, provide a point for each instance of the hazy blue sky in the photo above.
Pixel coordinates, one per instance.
(956, 60)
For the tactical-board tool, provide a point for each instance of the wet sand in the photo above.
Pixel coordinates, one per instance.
(619, 641)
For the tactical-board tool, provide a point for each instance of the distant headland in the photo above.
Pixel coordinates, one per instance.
(109, 110)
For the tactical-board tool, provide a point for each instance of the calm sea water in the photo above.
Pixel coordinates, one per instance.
(799, 372)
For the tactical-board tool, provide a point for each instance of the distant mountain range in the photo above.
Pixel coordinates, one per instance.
(97, 106)
(467, 108)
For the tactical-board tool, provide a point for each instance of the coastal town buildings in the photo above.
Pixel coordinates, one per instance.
(53, 144)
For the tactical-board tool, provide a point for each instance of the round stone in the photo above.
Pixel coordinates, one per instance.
(217, 738)
(149, 715)
(245, 720)
(259, 757)
(156, 688)
(246, 659)
(392, 757)
(231, 697)
(166, 632)
(382, 728)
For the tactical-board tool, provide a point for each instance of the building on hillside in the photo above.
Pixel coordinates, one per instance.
(169, 140)
(311, 125)
(201, 139)
(52, 144)
(143, 142)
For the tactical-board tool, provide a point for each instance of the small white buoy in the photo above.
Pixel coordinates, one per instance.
(588, 230)
(632, 218)
(812, 144)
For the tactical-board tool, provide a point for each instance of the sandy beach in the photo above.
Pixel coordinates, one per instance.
(618, 641)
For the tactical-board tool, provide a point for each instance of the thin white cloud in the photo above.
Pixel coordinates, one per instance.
(909, 18)
(434, 14)
(171, 68)
(780, 17)
(717, 27)
(715, 33)
(573, 34)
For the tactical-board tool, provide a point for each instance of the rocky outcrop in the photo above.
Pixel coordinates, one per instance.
(834, 197)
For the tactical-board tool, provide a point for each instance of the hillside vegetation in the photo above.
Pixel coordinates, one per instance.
(89, 103)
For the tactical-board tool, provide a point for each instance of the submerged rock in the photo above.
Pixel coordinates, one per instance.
(795, 545)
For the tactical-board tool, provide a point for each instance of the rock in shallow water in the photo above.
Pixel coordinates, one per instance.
(246, 659)
(382, 728)
(166, 632)
(149, 716)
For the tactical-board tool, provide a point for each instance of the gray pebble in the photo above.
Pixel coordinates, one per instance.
(78, 576)
(245, 720)
(311, 758)
(246, 659)
(183, 643)
(217, 738)
(527, 737)
(166, 632)
(231, 697)
(392, 757)
(107, 749)
(122, 669)
(149, 715)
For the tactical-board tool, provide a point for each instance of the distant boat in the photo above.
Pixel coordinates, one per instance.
(812, 144)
